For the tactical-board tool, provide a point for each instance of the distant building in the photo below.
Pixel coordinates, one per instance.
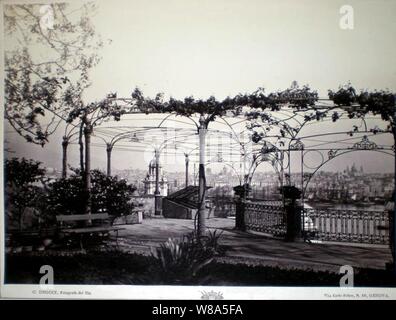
(149, 181)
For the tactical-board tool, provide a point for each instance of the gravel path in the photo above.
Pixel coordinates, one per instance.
(254, 248)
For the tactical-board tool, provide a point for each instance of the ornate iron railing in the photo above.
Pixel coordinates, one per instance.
(355, 226)
(265, 216)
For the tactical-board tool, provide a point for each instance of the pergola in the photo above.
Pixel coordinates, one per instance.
(253, 137)
(162, 136)
(258, 128)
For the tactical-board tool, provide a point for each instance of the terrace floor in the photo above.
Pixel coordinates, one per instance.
(254, 248)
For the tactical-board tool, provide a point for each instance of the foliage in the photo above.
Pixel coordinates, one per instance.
(108, 193)
(135, 269)
(23, 171)
(272, 130)
(378, 102)
(211, 241)
(302, 99)
(296, 97)
(66, 196)
(111, 193)
(96, 112)
(262, 120)
(212, 108)
(21, 189)
(181, 260)
(116, 267)
(40, 89)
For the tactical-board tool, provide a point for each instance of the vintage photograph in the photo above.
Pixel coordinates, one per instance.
(221, 143)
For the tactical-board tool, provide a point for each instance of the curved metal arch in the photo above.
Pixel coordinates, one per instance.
(174, 114)
(257, 163)
(234, 134)
(125, 135)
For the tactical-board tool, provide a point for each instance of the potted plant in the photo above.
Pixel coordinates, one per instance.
(290, 193)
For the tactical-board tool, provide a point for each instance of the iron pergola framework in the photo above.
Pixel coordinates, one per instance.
(280, 141)
(278, 149)
(275, 147)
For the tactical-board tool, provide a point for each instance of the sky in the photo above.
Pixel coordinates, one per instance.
(224, 47)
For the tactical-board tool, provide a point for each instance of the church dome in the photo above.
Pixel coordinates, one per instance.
(153, 163)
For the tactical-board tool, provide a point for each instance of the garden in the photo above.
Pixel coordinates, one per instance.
(33, 201)
(120, 268)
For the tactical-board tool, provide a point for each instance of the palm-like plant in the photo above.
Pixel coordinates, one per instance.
(179, 261)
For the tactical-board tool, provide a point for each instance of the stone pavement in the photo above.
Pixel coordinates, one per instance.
(255, 249)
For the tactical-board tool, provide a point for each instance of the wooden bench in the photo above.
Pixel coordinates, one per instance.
(93, 224)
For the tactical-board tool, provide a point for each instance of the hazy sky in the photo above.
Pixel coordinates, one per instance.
(224, 47)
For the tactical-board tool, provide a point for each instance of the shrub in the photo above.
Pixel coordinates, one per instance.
(179, 261)
(211, 241)
(108, 193)
(22, 189)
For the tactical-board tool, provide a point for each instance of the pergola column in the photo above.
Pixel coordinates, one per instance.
(201, 182)
(157, 194)
(187, 163)
(109, 148)
(65, 144)
(87, 172)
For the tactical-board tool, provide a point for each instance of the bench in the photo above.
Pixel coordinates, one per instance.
(93, 224)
